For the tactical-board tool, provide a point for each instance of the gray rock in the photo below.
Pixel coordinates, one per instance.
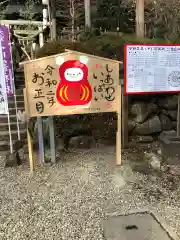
(141, 139)
(173, 114)
(155, 163)
(164, 134)
(141, 111)
(131, 125)
(154, 160)
(174, 170)
(165, 122)
(152, 125)
(164, 111)
(82, 142)
(60, 146)
(11, 160)
(169, 102)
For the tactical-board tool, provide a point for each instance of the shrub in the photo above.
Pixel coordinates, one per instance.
(106, 45)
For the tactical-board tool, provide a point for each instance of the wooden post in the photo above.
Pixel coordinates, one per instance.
(140, 18)
(30, 148)
(53, 18)
(39, 119)
(87, 8)
(125, 132)
(52, 139)
(178, 117)
(41, 39)
(118, 133)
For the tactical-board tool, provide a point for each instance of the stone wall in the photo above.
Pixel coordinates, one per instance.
(149, 115)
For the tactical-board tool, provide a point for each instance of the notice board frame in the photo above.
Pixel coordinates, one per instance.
(125, 68)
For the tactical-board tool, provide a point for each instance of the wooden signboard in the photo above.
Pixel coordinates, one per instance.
(73, 83)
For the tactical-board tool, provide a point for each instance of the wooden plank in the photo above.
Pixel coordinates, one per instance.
(95, 65)
(30, 148)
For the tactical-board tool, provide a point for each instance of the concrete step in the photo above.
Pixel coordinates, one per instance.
(19, 79)
(11, 104)
(5, 145)
(19, 91)
(4, 118)
(19, 73)
(19, 97)
(12, 111)
(4, 135)
(13, 125)
(21, 85)
(19, 76)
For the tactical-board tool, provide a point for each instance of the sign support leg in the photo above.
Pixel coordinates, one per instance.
(178, 117)
(9, 128)
(125, 139)
(30, 147)
(31, 160)
(40, 140)
(118, 133)
(52, 139)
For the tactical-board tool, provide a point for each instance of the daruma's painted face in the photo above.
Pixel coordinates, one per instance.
(73, 74)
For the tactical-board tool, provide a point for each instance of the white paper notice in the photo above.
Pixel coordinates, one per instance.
(152, 68)
(3, 94)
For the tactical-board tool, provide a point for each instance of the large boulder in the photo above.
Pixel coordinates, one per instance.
(166, 122)
(13, 159)
(167, 134)
(173, 114)
(152, 125)
(141, 111)
(82, 142)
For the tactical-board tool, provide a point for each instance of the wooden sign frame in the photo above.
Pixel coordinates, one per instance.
(116, 109)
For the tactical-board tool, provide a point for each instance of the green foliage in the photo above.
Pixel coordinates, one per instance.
(89, 33)
(51, 48)
(28, 13)
(110, 46)
(112, 14)
(29, 9)
(3, 8)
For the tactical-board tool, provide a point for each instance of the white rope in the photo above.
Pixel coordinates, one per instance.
(28, 37)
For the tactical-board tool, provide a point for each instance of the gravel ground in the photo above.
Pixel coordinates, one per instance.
(69, 200)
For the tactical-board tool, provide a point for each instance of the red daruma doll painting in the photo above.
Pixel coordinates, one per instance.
(74, 88)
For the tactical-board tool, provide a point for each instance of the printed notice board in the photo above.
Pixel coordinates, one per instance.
(71, 83)
(152, 68)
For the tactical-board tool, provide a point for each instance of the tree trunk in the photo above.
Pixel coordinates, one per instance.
(140, 18)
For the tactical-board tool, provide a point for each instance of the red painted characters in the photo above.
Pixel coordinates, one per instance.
(74, 88)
